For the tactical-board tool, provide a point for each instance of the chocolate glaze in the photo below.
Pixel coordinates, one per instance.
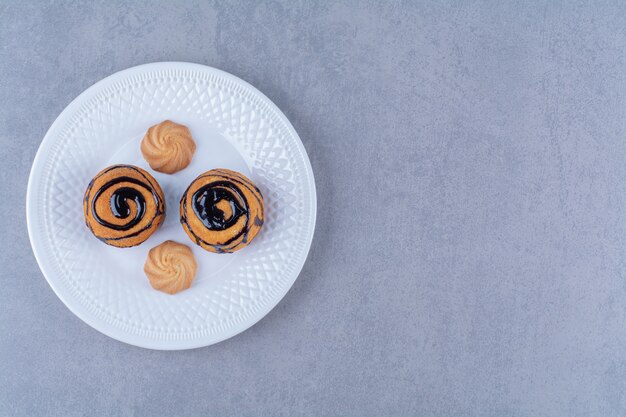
(119, 203)
(205, 201)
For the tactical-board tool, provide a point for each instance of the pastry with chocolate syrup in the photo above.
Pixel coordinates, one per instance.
(222, 211)
(123, 205)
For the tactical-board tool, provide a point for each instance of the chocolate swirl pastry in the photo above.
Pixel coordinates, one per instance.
(123, 205)
(222, 211)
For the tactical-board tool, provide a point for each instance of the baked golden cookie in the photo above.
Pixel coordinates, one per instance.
(170, 267)
(123, 205)
(168, 147)
(222, 211)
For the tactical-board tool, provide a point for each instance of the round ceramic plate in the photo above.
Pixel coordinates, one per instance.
(236, 127)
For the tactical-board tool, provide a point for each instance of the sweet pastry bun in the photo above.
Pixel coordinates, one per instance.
(123, 205)
(222, 211)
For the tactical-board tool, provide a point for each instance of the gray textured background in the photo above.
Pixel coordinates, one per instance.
(469, 258)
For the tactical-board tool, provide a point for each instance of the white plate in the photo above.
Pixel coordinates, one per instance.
(236, 127)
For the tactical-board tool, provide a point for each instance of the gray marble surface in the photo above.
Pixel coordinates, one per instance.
(469, 258)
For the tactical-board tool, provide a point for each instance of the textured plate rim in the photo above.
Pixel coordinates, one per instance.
(42, 258)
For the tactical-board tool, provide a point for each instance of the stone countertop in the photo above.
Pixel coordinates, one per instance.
(470, 252)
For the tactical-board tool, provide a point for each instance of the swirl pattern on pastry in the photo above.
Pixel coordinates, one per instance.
(123, 205)
(168, 147)
(170, 267)
(222, 211)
